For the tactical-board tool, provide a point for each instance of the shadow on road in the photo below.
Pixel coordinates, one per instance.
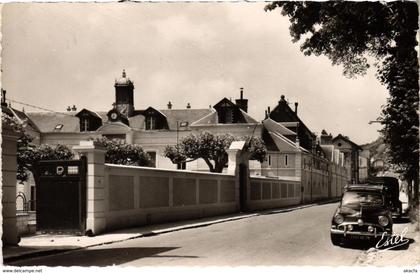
(100, 257)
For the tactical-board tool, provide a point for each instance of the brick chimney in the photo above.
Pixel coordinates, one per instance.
(169, 105)
(188, 106)
(241, 102)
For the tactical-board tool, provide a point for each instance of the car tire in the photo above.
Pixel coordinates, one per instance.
(336, 239)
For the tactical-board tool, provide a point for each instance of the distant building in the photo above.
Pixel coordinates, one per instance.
(351, 153)
(355, 160)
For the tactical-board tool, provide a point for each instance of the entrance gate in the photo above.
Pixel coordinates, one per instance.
(61, 196)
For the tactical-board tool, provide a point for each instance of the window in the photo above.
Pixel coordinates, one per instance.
(150, 123)
(152, 156)
(269, 160)
(181, 166)
(285, 160)
(84, 125)
(229, 115)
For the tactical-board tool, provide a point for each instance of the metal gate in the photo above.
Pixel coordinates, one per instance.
(243, 187)
(61, 196)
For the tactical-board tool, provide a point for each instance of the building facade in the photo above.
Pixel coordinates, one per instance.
(293, 151)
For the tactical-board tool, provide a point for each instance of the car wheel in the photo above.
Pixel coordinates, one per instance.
(336, 239)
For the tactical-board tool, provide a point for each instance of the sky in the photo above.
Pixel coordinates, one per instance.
(60, 54)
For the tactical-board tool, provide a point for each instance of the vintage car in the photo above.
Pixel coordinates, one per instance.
(363, 214)
(393, 192)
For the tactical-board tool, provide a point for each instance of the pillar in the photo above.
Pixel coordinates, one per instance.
(129, 137)
(95, 183)
(239, 167)
(8, 199)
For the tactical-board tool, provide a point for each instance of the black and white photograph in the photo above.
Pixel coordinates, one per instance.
(202, 135)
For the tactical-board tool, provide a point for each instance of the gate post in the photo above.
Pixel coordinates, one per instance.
(238, 165)
(8, 199)
(95, 183)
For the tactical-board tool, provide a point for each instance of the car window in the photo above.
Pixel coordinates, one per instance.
(368, 198)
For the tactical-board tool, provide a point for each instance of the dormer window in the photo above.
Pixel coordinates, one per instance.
(150, 123)
(88, 120)
(58, 127)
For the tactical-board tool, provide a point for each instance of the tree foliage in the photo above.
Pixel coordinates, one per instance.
(119, 152)
(212, 149)
(352, 33)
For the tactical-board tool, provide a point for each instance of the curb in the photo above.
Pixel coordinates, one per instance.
(48, 252)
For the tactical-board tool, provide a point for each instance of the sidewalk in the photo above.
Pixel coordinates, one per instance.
(47, 244)
(395, 257)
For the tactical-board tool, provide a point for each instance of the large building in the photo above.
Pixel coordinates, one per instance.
(294, 152)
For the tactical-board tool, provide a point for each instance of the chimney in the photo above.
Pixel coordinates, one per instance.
(268, 110)
(266, 114)
(68, 109)
(169, 105)
(74, 108)
(241, 102)
(326, 139)
(296, 106)
(188, 106)
(3, 98)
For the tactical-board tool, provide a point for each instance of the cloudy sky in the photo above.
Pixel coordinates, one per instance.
(55, 55)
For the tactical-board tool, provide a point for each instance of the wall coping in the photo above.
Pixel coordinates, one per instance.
(166, 170)
(274, 179)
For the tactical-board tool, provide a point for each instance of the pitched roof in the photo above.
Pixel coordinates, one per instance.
(285, 144)
(247, 117)
(207, 119)
(47, 121)
(340, 136)
(92, 113)
(283, 103)
(21, 116)
(272, 125)
(225, 100)
(184, 115)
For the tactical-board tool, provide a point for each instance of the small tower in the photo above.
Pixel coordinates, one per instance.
(124, 95)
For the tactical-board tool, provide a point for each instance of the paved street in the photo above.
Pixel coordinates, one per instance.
(300, 237)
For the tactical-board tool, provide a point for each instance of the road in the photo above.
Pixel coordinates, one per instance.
(299, 237)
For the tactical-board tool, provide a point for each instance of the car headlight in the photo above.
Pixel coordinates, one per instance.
(338, 218)
(383, 221)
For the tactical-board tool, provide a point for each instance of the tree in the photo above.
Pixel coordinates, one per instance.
(28, 154)
(212, 149)
(352, 33)
(119, 152)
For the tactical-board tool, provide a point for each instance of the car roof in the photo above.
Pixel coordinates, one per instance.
(364, 187)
